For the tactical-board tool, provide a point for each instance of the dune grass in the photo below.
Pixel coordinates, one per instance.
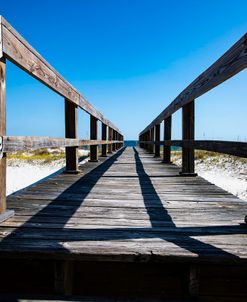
(201, 155)
(43, 155)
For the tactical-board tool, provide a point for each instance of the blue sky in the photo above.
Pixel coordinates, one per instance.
(130, 58)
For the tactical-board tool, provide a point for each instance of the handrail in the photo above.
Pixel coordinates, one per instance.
(17, 50)
(15, 143)
(231, 63)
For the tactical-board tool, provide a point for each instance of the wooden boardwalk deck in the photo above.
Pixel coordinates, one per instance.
(137, 214)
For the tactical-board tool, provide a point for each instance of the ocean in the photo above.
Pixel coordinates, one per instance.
(132, 143)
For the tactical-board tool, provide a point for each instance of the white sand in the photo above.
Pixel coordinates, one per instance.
(22, 173)
(225, 172)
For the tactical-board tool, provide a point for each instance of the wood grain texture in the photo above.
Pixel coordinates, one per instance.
(71, 131)
(157, 139)
(21, 53)
(188, 132)
(110, 138)
(1, 39)
(128, 217)
(93, 136)
(15, 143)
(130, 208)
(104, 137)
(232, 62)
(227, 147)
(167, 136)
(2, 133)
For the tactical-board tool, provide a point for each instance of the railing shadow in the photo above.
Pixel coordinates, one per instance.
(77, 193)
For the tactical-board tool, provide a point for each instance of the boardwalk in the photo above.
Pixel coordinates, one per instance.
(129, 209)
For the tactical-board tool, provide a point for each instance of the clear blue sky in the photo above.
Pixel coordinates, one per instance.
(130, 58)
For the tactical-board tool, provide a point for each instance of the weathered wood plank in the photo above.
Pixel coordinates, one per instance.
(21, 53)
(188, 154)
(227, 147)
(93, 136)
(232, 62)
(71, 131)
(15, 143)
(118, 211)
(104, 137)
(2, 133)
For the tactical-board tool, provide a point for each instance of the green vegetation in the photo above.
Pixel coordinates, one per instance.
(43, 155)
(203, 155)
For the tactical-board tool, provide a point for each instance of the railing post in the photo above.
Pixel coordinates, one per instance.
(103, 137)
(71, 116)
(109, 139)
(93, 136)
(149, 139)
(167, 136)
(117, 138)
(2, 133)
(146, 146)
(157, 140)
(113, 138)
(4, 213)
(152, 140)
(188, 122)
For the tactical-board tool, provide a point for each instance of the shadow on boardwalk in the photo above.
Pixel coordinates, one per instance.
(156, 214)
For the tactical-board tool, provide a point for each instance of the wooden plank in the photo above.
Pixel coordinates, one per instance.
(2, 133)
(93, 135)
(71, 131)
(1, 39)
(110, 138)
(232, 62)
(119, 212)
(20, 52)
(167, 136)
(157, 139)
(86, 106)
(188, 154)
(17, 50)
(227, 147)
(15, 143)
(104, 137)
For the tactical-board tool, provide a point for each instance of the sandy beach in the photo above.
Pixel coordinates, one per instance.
(227, 172)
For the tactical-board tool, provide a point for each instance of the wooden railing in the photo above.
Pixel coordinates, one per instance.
(14, 48)
(232, 62)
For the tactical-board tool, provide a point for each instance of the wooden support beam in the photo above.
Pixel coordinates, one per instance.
(104, 137)
(2, 133)
(93, 135)
(194, 281)
(22, 54)
(4, 213)
(151, 146)
(167, 136)
(146, 139)
(63, 277)
(71, 131)
(232, 62)
(188, 154)
(110, 139)
(157, 139)
(113, 137)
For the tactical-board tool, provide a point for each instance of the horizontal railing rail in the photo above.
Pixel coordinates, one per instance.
(16, 143)
(226, 147)
(231, 63)
(15, 48)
